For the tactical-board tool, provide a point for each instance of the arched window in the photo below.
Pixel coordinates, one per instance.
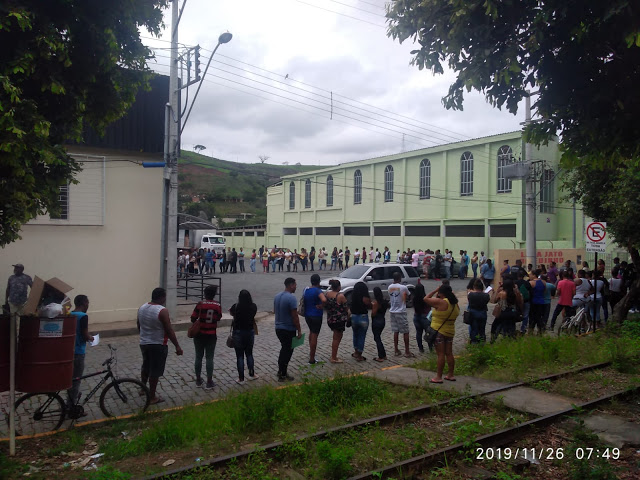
(307, 193)
(357, 187)
(466, 174)
(425, 178)
(547, 189)
(505, 157)
(292, 196)
(329, 191)
(388, 184)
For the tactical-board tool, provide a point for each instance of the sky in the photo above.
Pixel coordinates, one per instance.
(316, 82)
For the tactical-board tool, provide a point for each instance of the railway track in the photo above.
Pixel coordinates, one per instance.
(407, 468)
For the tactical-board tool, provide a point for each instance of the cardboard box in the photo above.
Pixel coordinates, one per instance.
(53, 289)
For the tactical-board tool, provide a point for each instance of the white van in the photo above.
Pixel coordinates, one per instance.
(215, 242)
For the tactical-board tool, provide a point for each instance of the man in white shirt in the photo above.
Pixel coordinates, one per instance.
(398, 294)
(482, 259)
(371, 255)
(356, 257)
(447, 263)
(287, 259)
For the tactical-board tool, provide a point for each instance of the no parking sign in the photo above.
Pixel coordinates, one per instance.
(596, 237)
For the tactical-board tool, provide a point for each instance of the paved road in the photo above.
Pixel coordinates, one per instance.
(264, 286)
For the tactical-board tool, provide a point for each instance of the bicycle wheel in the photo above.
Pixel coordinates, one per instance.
(39, 412)
(126, 396)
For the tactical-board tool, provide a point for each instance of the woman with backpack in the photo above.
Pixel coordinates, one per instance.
(508, 309)
(379, 308)
(337, 316)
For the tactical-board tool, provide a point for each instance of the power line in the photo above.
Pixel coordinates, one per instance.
(341, 14)
(358, 8)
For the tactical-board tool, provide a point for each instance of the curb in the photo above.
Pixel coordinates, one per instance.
(178, 327)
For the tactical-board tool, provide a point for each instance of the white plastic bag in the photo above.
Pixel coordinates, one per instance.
(50, 311)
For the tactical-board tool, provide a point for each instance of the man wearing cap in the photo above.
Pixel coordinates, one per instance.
(17, 289)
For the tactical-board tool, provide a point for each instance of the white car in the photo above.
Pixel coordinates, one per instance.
(375, 275)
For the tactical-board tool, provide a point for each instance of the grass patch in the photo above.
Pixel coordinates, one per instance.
(513, 360)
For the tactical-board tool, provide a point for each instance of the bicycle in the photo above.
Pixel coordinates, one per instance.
(46, 411)
(579, 323)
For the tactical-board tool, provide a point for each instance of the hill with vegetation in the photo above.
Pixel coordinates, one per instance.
(222, 188)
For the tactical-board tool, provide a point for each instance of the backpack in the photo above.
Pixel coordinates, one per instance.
(301, 305)
(524, 291)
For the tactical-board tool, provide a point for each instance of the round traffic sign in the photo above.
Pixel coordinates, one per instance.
(596, 232)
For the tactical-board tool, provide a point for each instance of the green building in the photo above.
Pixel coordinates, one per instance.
(451, 196)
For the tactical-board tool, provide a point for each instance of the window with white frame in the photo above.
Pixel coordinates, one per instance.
(292, 196)
(329, 191)
(357, 187)
(505, 157)
(388, 184)
(307, 193)
(466, 174)
(63, 203)
(547, 188)
(425, 179)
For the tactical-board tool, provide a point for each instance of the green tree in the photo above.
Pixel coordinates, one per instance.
(611, 195)
(583, 56)
(64, 64)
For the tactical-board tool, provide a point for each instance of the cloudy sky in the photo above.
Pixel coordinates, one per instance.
(316, 82)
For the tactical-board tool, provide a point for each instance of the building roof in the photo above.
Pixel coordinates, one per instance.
(412, 153)
(190, 222)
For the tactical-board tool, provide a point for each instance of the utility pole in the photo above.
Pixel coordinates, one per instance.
(530, 195)
(171, 145)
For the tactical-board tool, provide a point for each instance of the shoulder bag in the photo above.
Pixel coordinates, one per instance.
(194, 329)
(431, 334)
(301, 305)
(230, 342)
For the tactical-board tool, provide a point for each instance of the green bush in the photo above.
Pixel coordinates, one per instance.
(335, 459)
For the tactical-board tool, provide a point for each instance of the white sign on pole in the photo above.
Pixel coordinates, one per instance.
(596, 237)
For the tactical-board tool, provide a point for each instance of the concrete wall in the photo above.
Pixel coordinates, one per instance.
(545, 256)
(109, 248)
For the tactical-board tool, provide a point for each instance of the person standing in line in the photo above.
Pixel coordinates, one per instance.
(252, 262)
(314, 301)
(508, 296)
(487, 272)
(398, 257)
(448, 263)
(223, 261)
(321, 260)
(295, 260)
(360, 304)
(464, 264)
(414, 259)
(552, 273)
(274, 259)
(312, 257)
(334, 258)
(565, 290)
(287, 259)
(81, 303)
(371, 254)
(241, 260)
(474, 264)
(303, 259)
(421, 312)
(234, 261)
(261, 251)
(445, 311)
(483, 259)
(379, 308)
(378, 256)
(550, 291)
(615, 287)
(244, 317)
(337, 315)
(181, 264)
(347, 256)
(287, 325)
(364, 255)
(17, 289)
(155, 329)
(264, 257)
(398, 294)
(207, 313)
(356, 257)
(524, 287)
(387, 255)
(341, 260)
(478, 301)
(505, 271)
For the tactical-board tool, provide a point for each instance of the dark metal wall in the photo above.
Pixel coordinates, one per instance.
(142, 128)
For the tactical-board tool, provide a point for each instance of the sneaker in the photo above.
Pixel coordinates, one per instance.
(253, 377)
(240, 382)
(199, 382)
(210, 385)
(285, 378)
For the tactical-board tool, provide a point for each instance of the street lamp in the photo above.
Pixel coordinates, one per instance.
(223, 38)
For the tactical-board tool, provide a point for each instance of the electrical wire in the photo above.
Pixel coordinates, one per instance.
(341, 14)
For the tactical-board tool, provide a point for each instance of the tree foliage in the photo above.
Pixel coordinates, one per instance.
(583, 56)
(64, 64)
